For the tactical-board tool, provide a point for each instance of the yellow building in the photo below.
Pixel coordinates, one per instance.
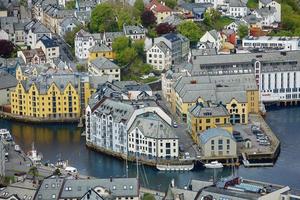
(205, 115)
(23, 75)
(52, 96)
(238, 93)
(101, 50)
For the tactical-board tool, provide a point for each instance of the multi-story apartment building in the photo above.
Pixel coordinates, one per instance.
(238, 93)
(49, 47)
(52, 96)
(102, 66)
(83, 42)
(178, 44)
(204, 115)
(152, 136)
(160, 10)
(271, 4)
(34, 30)
(159, 56)
(237, 9)
(33, 56)
(272, 43)
(8, 83)
(101, 50)
(276, 73)
(134, 32)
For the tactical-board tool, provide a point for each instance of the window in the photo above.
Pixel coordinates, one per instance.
(220, 142)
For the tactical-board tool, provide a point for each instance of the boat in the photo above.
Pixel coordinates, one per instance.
(61, 163)
(34, 156)
(187, 167)
(17, 148)
(213, 165)
(71, 170)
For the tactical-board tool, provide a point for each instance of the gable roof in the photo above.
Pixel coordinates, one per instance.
(104, 63)
(48, 42)
(156, 6)
(7, 80)
(212, 133)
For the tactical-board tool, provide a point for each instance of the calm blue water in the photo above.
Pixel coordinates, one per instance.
(64, 141)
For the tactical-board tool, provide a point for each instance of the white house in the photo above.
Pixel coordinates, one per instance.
(34, 30)
(213, 37)
(152, 136)
(235, 25)
(273, 4)
(4, 35)
(49, 47)
(67, 25)
(216, 3)
(103, 66)
(134, 32)
(237, 8)
(267, 16)
(83, 42)
(159, 56)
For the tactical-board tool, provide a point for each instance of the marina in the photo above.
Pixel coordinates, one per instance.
(70, 145)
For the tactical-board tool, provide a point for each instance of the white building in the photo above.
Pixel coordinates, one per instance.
(151, 136)
(213, 37)
(269, 42)
(267, 16)
(102, 66)
(108, 121)
(34, 30)
(272, 4)
(49, 47)
(83, 42)
(215, 3)
(134, 32)
(159, 56)
(237, 8)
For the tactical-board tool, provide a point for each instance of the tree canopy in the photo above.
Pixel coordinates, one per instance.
(6, 48)
(243, 31)
(148, 18)
(190, 30)
(164, 28)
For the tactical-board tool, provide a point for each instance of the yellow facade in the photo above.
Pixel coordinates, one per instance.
(253, 101)
(96, 54)
(54, 103)
(21, 76)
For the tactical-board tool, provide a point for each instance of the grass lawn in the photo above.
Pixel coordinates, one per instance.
(221, 22)
(252, 4)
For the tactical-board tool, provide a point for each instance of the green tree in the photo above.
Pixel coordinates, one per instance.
(243, 31)
(190, 30)
(103, 18)
(148, 196)
(211, 16)
(139, 6)
(34, 172)
(70, 5)
(120, 43)
(139, 45)
(126, 56)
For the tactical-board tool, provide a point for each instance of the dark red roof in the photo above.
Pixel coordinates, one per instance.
(156, 6)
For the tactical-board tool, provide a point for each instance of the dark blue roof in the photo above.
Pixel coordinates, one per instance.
(48, 42)
(172, 37)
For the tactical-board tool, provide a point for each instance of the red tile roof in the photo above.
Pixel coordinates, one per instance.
(156, 6)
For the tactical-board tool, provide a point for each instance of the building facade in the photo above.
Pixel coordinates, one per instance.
(102, 66)
(159, 56)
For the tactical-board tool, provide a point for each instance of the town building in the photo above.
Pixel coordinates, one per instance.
(25, 189)
(218, 144)
(49, 47)
(212, 37)
(68, 24)
(178, 44)
(7, 84)
(271, 4)
(159, 56)
(83, 42)
(205, 115)
(109, 119)
(134, 32)
(55, 96)
(152, 136)
(160, 10)
(272, 43)
(237, 9)
(267, 17)
(238, 93)
(194, 11)
(101, 50)
(33, 56)
(34, 30)
(64, 188)
(109, 37)
(276, 73)
(102, 66)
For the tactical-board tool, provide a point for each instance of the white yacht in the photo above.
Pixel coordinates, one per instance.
(34, 156)
(213, 165)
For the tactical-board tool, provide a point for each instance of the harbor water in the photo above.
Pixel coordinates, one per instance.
(63, 141)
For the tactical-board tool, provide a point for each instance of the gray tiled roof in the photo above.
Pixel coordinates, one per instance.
(237, 3)
(7, 80)
(69, 20)
(132, 30)
(37, 27)
(104, 63)
(212, 133)
(163, 47)
(100, 47)
(207, 110)
(266, 11)
(265, 2)
(152, 126)
(22, 190)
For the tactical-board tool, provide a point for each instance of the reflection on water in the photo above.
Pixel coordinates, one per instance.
(64, 141)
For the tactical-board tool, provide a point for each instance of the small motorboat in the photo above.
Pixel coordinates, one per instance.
(34, 156)
(213, 165)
